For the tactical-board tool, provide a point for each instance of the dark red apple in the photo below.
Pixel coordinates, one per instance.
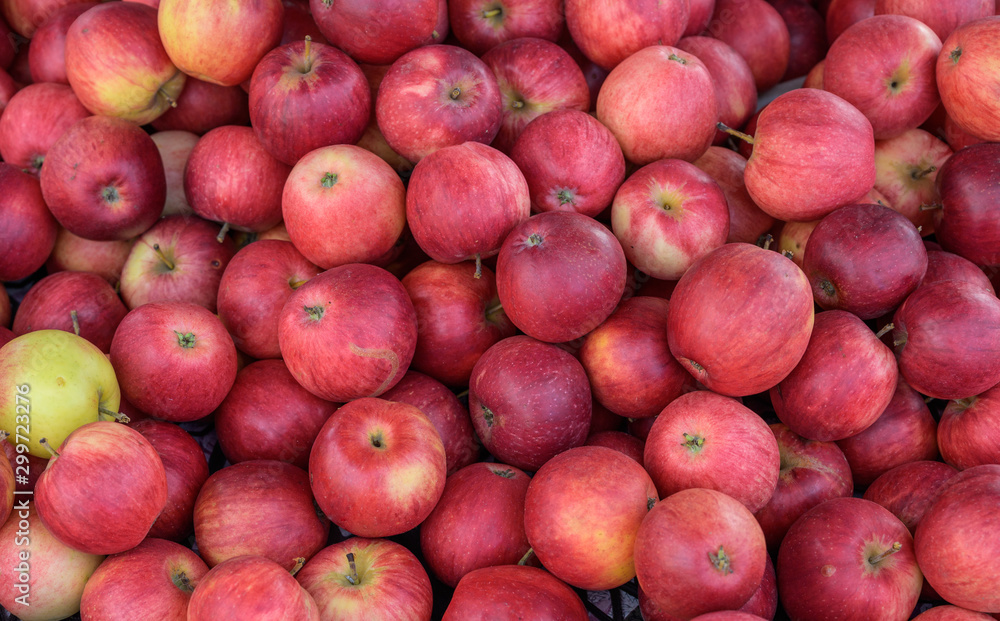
(273, 593)
(756, 30)
(806, 36)
(519, 590)
(379, 32)
(638, 24)
(968, 431)
(910, 489)
(735, 90)
(34, 119)
(27, 228)
(942, 265)
(482, 24)
(747, 223)
(842, 14)
(47, 52)
(967, 183)
(203, 106)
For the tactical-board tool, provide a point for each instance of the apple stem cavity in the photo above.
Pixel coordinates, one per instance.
(722, 127)
(295, 284)
(885, 330)
(920, 174)
(352, 577)
(166, 96)
(118, 416)
(315, 312)
(693, 442)
(455, 93)
(221, 237)
(677, 59)
(491, 13)
(48, 447)
(163, 257)
(506, 473)
(182, 582)
(721, 561)
(931, 206)
(493, 310)
(76, 322)
(966, 402)
(878, 558)
(527, 555)
(479, 267)
(955, 55)
(329, 180)
(299, 562)
(186, 340)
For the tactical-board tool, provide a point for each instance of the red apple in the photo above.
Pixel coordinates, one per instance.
(965, 79)
(910, 489)
(967, 184)
(793, 238)
(34, 119)
(942, 265)
(626, 444)
(47, 52)
(905, 172)
(747, 223)
(763, 603)
(967, 432)
(638, 24)
(756, 30)
(72, 253)
(299, 23)
(27, 228)
(8, 87)
(507, 592)
(814, 79)
(806, 36)
(842, 14)
(380, 32)
(735, 90)
(25, 16)
(203, 106)
(250, 587)
(699, 15)
(951, 613)
(943, 18)
(482, 24)
(175, 147)
(377, 468)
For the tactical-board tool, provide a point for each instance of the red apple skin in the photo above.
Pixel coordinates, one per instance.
(943, 19)
(435, 97)
(391, 585)
(704, 440)
(910, 489)
(222, 593)
(943, 265)
(800, 173)
(458, 318)
(743, 342)
(348, 333)
(203, 106)
(928, 327)
(814, 79)
(34, 119)
(735, 90)
(638, 24)
(967, 183)
(956, 137)
(103, 179)
(717, 559)
(951, 613)
(195, 262)
(965, 80)
(571, 162)
(845, 369)
(747, 223)
(641, 87)
(896, 93)
(544, 299)
(299, 23)
(72, 253)
(304, 96)
(380, 32)
(905, 431)
(628, 361)
(968, 431)
(699, 14)
(377, 467)
(756, 30)
(480, 25)
(842, 14)
(5, 309)
(520, 589)
(258, 508)
(824, 566)
(955, 532)
(187, 469)
(7, 88)
(254, 287)
(811, 473)
(762, 604)
(865, 259)
(478, 522)
(667, 215)
(521, 421)
(102, 515)
(26, 16)
(905, 172)
(246, 423)
(463, 201)
(6, 336)
(153, 580)
(806, 36)
(446, 413)
(194, 346)
(27, 228)
(175, 147)
(535, 76)
(52, 301)
(628, 445)
(342, 204)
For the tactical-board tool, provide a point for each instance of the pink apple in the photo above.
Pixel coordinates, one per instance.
(34, 119)
(638, 24)
(747, 223)
(965, 80)
(25, 16)
(380, 32)
(76, 254)
(626, 444)
(756, 30)
(905, 172)
(735, 90)
(175, 147)
(943, 18)
(203, 106)
(910, 489)
(793, 238)
(699, 15)
(482, 24)
(27, 228)
(967, 431)
(842, 14)
(951, 613)
(529, 591)
(250, 587)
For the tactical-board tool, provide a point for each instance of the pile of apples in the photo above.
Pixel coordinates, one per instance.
(530, 286)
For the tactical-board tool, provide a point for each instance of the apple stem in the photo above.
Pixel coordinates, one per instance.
(693, 443)
(221, 237)
(295, 284)
(765, 241)
(455, 93)
(492, 13)
(299, 562)
(527, 555)
(353, 576)
(931, 207)
(118, 416)
(677, 59)
(884, 330)
(878, 558)
(721, 561)
(170, 100)
(464, 393)
(722, 127)
(4, 435)
(479, 267)
(899, 341)
(163, 257)
(76, 322)
(48, 447)
(920, 174)
(788, 254)
(307, 51)
(182, 582)
(494, 309)
(966, 402)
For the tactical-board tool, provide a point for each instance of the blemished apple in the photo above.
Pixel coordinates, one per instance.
(532, 592)
(638, 24)
(175, 147)
(102, 515)
(910, 489)
(219, 42)
(967, 432)
(965, 80)
(377, 576)
(33, 120)
(73, 253)
(482, 24)
(117, 64)
(379, 32)
(378, 467)
(756, 30)
(154, 579)
(273, 593)
(478, 522)
(27, 228)
(47, 52)
(965, 225)
(747, 223)
(735, 90)
(905, 172)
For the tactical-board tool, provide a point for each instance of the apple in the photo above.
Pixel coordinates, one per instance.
(638, 24)
(793, 238)
(943, 18)
(187, 470)
(380, 32)
(47, 52)
(203, 106)
(377, 576)
(806, 36)
(350, 332)
(747, 223)
(102, 514)
(191, 342)
(512, 591)
(644, 87)
(250, 587)
(628, 361)
(814, 79)
(951, 613)
(735, 90)
(175, 147)
(699, 14)
(27, 228)
(342, 204)
(545, 299)
(757, 31)
(53, 382)
(699, 551)
(942, 265)
(25, 16)
(967, 431)
(848, 545)
(33, 120)
(103, 179)
(5, 309)
(306, 95)
(571, 161)
(905, 172)
(956, 137)
(762, 604)
(8, 483)
(45, 577)
(910, 489)
(177, 260)
(964, 224)
(219, 42)
(740, 342)
(8, 87)
(478, 522)
(72, 253)
(377, 468)
(482, 24)
(535, 77)
(117, 65)
(964, 78)
(299, 23)
(156, 578)
(842, 14)
(459, 317)
(811, 472)
(79, 302)
(437, 96)
(529, 401)
(626, 444)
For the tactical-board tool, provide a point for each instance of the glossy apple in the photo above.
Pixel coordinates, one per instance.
(910, 489)
(221, 594)
(735, 90)
(27, 228)
(72, 253)
(806, 36)
(482, 24)
(520, 589)
(175, 147)
(967, 183)
(638, 24)
(964, 78)
(747, 223)
(905, 172)
(967, 431)
(756, 30)
(380, 32)
(942, 265)
(203, 106)
(33, 120)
